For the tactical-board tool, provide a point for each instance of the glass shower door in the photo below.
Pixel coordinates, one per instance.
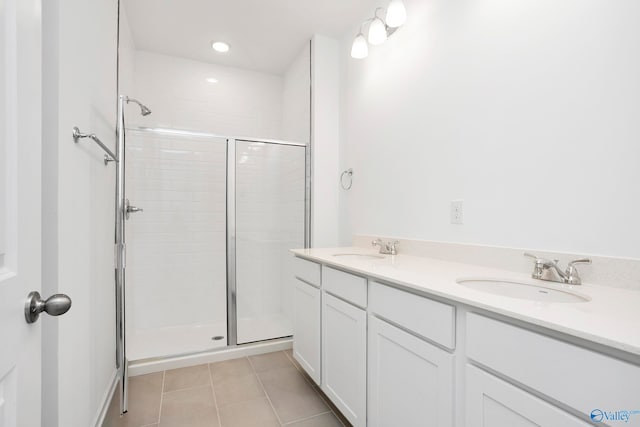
(270, 220)
(176, 248)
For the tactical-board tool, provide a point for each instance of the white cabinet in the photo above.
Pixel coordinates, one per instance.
(580, 378)
(344, 357)
(306, 328)
(410, 381)
(492, 402)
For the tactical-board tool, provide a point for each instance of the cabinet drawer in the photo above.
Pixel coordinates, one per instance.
(308, 271)
(430, 319)
(580, 378)
(344, 285)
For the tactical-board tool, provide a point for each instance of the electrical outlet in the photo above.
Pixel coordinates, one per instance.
(456, 212)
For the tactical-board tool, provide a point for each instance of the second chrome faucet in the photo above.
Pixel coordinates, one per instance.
(546, 269)
(386, 248)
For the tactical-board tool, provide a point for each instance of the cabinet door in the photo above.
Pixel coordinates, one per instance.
(306, 328)
(410, 380)
(492, 402)
(344, 357)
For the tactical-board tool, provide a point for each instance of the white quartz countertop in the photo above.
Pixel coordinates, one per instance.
(610, 318)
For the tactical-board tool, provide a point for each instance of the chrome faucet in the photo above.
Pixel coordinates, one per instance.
(546, 269)
(386, 248)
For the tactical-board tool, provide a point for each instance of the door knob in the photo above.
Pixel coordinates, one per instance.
(55, 305)
(128, 209)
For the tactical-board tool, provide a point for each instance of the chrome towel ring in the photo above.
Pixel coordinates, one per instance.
(349, 174)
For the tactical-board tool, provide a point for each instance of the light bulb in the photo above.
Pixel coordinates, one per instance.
(377, 32)
(396, 14)
(359, 48)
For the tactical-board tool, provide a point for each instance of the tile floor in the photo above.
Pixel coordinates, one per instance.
(257, 391)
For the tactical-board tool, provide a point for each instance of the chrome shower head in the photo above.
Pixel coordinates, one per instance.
(144, 110)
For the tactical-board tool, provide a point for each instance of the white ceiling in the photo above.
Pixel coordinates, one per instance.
(264, 35)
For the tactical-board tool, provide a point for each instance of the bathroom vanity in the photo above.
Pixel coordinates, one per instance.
(397, 341)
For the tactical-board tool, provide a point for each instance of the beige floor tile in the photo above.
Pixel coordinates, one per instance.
(324, 420)
(269, 361)
(330, 404)
(289, 354)
(193, 376)
(238, 389)
(144, 401)
(250, 413)
(221, 371)
(192, 407)
(292, 397)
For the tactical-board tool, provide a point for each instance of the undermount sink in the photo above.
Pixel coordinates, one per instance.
(521, 290)
(359, 256)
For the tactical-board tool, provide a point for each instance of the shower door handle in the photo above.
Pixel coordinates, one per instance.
(128, 209)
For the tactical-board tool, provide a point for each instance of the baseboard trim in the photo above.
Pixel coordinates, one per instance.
(106, 401)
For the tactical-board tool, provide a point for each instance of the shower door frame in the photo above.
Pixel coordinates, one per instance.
(232, 300)
(120, 247)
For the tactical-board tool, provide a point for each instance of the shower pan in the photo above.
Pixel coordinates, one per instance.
(207, 262)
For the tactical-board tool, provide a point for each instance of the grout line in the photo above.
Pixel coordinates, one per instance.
(308, 418)
(215, 399)
(326, 400)
(186, 388)
(161, 396)
(316, 389)
(286, 353)
(265, 391)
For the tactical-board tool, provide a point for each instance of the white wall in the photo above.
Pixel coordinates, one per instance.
(243, 102)
(296, 98)
(527, 111)
(126, 58)
(176, 247)
(80, 90)
(325, 98)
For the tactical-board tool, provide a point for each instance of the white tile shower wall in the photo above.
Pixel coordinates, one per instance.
(242, 102)
(270, 220)
(527, 111)
(176, 266)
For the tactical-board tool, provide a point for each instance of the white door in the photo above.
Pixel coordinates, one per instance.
(20, 127)
(344, 357)
(410, 381)
(492, 402)
(306, 328)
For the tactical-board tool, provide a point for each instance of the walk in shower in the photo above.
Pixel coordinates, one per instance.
(205, 217)
(207, 258)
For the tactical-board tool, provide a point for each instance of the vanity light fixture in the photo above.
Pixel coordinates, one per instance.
(212, 80)
(221, 47)
(360, 48)
(396, 14)
(379, 30)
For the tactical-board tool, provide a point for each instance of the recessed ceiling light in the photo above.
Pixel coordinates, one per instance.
(221, 47)
(212, 80)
